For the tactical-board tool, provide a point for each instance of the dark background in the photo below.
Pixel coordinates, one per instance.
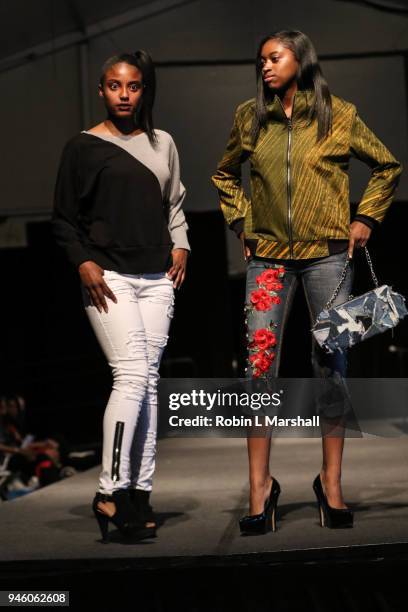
(204, 50)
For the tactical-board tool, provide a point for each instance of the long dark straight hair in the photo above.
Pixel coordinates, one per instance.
(144, 112)
(310, 76)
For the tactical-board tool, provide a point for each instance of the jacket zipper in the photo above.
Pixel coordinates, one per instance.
(289, 192)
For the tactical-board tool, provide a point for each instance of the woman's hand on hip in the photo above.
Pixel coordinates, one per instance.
(359, 235)
(177, 272)
(245, 250)
(92, 278)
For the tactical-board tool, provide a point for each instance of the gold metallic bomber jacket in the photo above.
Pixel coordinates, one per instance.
(300, 188)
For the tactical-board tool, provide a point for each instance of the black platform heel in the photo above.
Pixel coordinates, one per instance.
(258, 524)
(140, 501)
(334, 518)
(126, 519)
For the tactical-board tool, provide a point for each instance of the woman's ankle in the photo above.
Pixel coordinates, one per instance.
(257, 484)
(331, 476)
(107, 507)
(258, 493)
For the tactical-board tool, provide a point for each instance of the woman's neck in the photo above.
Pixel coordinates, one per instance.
(286, 97)
(118, 126)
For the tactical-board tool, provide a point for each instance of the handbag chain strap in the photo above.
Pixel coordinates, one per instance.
(343, 276)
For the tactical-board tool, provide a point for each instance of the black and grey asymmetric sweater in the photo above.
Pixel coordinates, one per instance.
(118, 202)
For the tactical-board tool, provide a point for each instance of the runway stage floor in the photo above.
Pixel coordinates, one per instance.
(200, 491)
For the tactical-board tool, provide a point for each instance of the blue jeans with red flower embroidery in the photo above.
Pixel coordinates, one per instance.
(270, 288)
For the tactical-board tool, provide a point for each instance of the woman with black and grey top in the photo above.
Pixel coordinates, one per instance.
(118, 215)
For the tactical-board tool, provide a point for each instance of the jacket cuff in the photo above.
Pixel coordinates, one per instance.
(237, 226)
(369, 221)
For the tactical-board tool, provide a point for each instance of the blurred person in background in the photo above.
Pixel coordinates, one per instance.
(31, 462)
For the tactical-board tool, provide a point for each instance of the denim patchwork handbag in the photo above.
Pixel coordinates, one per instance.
(359, 318)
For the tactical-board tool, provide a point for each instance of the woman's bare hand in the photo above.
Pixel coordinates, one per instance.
(92, 278)
(359, 235)
(177, 272)
(245, 250)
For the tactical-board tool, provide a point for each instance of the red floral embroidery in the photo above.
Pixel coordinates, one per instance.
(261, 362)
(269, 279)
(269, 283)
(263, 340)
(261, 300)
(260, 350)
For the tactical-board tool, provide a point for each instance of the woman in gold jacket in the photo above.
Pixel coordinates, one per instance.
(299, 139)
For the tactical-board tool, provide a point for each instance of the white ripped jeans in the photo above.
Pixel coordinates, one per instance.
(132, 334)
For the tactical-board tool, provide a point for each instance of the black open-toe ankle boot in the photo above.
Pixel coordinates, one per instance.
(126, 518)
(140, 501)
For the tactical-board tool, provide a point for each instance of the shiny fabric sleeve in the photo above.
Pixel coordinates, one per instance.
(66, 207)
(177, 223)
(227, 180)
(385, 170)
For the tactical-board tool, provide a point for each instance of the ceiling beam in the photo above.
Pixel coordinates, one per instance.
(94, 30)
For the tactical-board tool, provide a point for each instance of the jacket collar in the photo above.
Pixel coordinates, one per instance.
(302, 101)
